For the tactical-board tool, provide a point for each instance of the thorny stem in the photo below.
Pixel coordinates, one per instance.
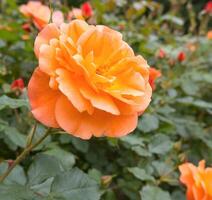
(23, 155)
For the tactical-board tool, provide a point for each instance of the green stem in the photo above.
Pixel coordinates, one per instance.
(31, 135)
(23, 155)
(51, 9)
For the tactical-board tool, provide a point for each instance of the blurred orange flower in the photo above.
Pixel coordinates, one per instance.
(198, 181)
(40, 14)
(153, 75)
(209, 35)
(25, 37)
(191, 46)
(88, 82)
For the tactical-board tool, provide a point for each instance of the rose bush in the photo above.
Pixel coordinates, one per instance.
(175, 129)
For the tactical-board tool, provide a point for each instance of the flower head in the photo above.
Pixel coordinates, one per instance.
(181, 56)
(88, 82)
(153, 75)
(40, 14)
(87, 10)
(17, 84)
(198, 181)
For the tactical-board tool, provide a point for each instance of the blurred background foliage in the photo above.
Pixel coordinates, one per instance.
(177, 126)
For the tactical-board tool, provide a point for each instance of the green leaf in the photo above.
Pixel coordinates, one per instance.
(162, 168)
(15, 136)
(43, 188)
(113, 142)
(95, 174)
(65, 138)
(80, 145)
(148, 123)
(17, 176)
(9, 35)
(132, 140)
(189, 86)
(141, 174)
(110, 195)
(67, 159)
(176, 195)
(75, 185)
(141, 151)
(3, 124)
(166, 110)
(191, 101)
(17, 192)
(154, 193)
(160, 144)
(6, 101)
(42, 168)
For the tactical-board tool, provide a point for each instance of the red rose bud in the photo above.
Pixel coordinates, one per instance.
(181, 56)
(26, 27)
(17, 84)
(153, 75)
(87, 10)
(161, 53)
(208, 7)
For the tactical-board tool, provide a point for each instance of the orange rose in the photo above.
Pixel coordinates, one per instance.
(198, 181)
(88, 82)
(39, 13)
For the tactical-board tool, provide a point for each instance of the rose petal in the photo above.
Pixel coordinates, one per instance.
(99, 99)
(74, 29)
(42, 98)
(122, 125)
(68, 86)
(49, 32)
